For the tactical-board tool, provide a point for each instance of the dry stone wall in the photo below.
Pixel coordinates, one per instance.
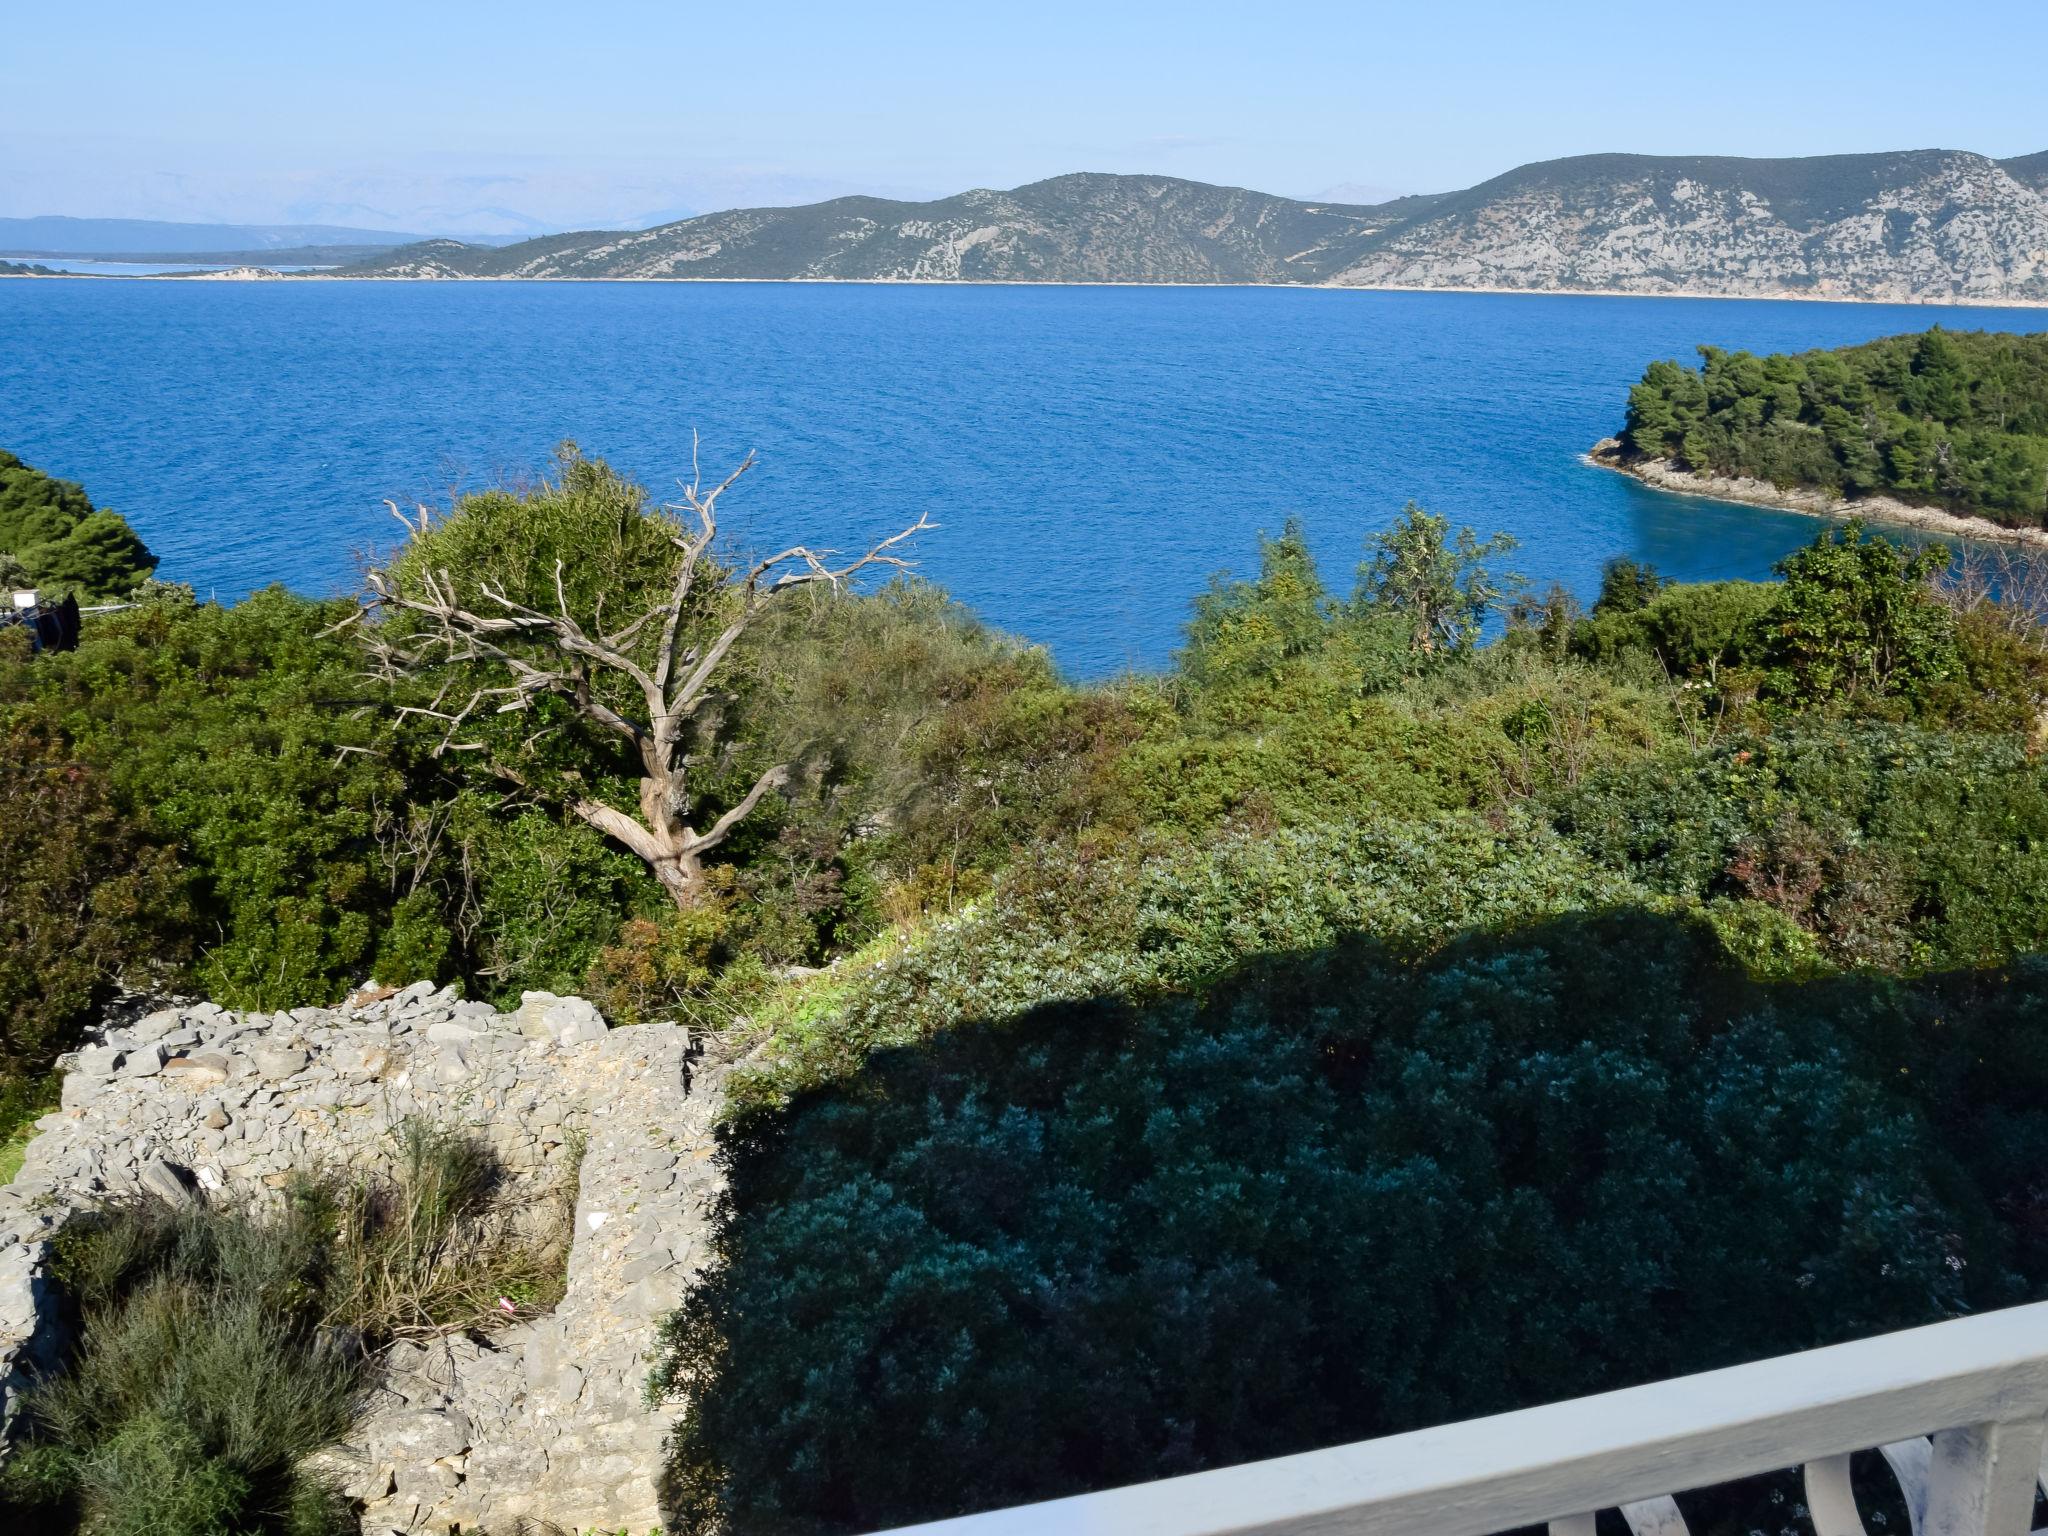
(544, 1420)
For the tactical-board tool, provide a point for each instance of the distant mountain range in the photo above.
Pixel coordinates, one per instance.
(52, 235)
(1913, 225)
(166, 241)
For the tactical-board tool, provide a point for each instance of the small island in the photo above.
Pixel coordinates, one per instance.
(1944, 430)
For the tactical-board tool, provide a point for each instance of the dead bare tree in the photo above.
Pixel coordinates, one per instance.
(497, 655)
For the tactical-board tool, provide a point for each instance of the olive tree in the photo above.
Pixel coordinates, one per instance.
(543, 634)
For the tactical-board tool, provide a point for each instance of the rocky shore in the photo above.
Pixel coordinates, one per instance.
(1665, 475)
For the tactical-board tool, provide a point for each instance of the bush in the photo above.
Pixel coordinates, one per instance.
(85, 895)
(229, 734)
(50, 537)
(1168, 918)
(1854, 622)
(201, 1378)
(217, 1346)
(1339, 1197)
(1688, 628)
(1897, 846)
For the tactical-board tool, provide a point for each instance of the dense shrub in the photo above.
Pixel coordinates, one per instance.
(1895, 846)
(228, 733)
(215, 1346)
(1687, 628)
(1065, 925)
(51, 538)
(85, 896)
(201, 1378)
(1854, 622)
(1340, 1197)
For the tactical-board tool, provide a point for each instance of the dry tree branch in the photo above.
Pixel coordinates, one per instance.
(538, 654)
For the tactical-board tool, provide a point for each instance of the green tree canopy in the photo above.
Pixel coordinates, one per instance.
(1854, 620)
(1436, 580)
(50, 537)
(1945, 418)
(1246, 629)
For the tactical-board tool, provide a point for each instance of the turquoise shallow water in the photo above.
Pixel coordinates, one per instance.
(1093, 454)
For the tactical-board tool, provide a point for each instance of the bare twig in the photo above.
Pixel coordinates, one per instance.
(507, 654)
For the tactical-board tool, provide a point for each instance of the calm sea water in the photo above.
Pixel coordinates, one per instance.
(1093, 454)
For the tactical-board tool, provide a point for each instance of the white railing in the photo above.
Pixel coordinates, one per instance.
(1956, 1408)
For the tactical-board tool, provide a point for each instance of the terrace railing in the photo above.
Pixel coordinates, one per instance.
(1957, 1409)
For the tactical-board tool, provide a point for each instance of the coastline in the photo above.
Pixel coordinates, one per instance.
(1663, 475)
(1776, 296)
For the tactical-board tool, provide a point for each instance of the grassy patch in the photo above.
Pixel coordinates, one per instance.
(217, 1347)
(202, 1375)
(24, 1099)
(435, 1245)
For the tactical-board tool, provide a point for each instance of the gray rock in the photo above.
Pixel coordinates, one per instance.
(154, 1026)
(95, 1061)
(159, 1178)
(572, 1021)
(206, 1071)
(278, 1061)
(143, 1061)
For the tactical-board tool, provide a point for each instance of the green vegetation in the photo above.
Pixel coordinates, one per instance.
(51, 538)
(1338, 1196)
(1357, 1025)
(216, 1347)
(201, 1378)
(1948, 419)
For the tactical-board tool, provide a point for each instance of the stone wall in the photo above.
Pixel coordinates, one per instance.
(546, 1419)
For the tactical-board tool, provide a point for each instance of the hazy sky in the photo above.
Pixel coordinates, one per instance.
(508, 116)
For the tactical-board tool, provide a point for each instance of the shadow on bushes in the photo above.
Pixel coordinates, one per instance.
(1342, 1196)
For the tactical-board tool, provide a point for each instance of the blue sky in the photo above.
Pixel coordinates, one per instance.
(494, 118)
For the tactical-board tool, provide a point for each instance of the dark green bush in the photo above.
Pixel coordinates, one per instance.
(1687, 628)
(229, 734)
(1169, 917)
(1340, 1197)
(85, 895)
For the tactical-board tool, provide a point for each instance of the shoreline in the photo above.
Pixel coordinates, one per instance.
(1663, 475)
(1779, 296)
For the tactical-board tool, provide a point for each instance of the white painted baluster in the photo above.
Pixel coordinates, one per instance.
(1909, 1461)
(1981, 1481)
(1572, 1525)
(1830, 1499)
(1656, 1517)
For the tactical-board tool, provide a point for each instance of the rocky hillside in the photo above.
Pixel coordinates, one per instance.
(1926, 224)
(1069, 229)
(1929, 224)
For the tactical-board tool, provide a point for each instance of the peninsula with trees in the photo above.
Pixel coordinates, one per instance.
(1946, 429)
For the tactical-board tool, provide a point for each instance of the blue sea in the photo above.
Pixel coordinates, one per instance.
(1092, 454)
